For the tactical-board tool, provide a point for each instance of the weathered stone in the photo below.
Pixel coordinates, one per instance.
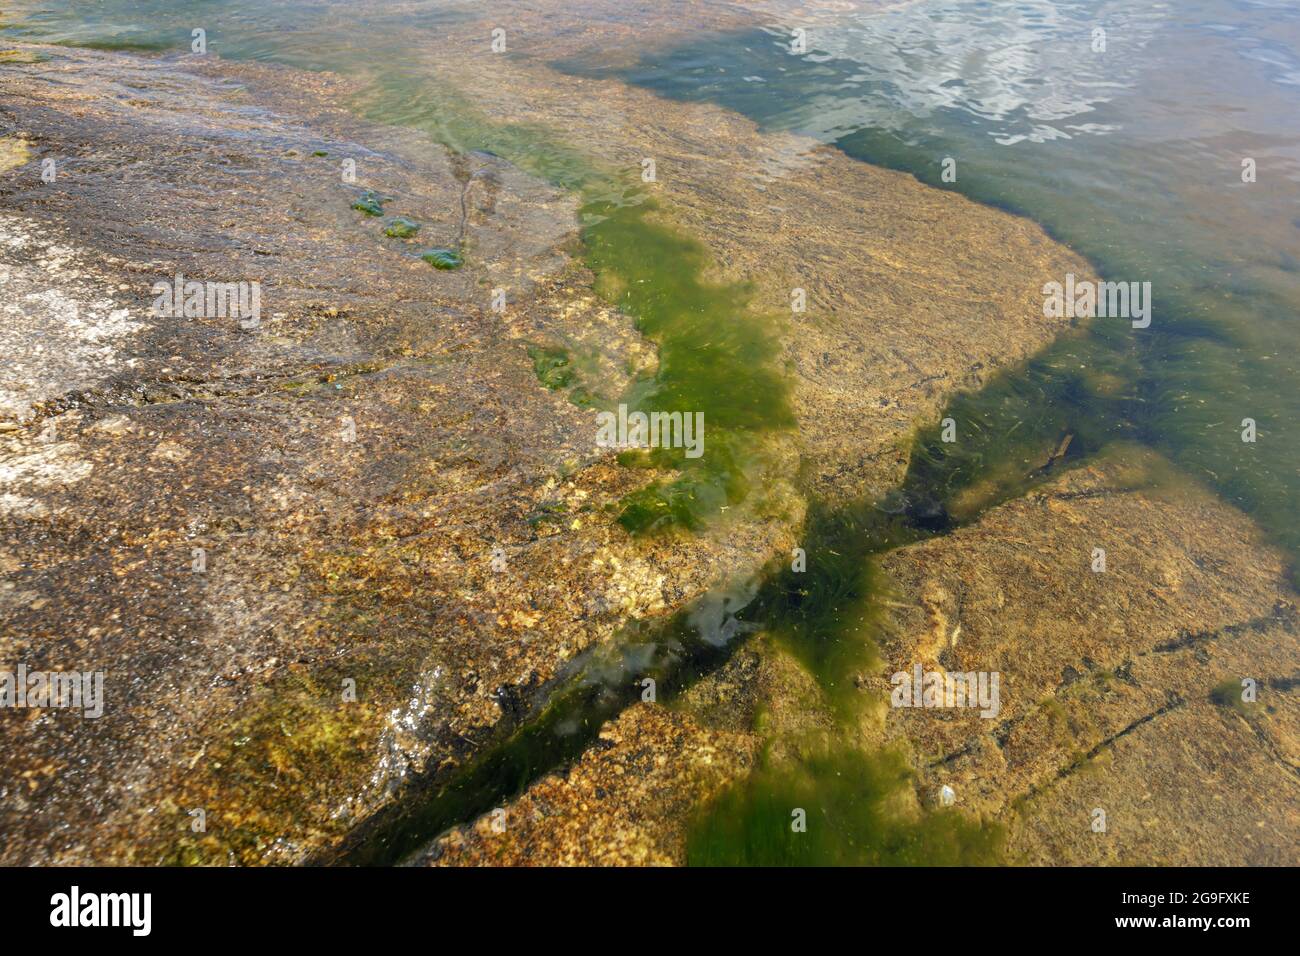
(350, 468)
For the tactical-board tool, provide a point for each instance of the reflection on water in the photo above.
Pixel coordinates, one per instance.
(1132, 154)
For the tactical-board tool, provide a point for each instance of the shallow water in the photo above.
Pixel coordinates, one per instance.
(1132, 156)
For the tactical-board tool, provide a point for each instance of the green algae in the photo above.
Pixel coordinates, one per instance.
(401, 228)
(850, 803)
(369, 203)
(443, 258)
(559, 368)
(1215, 351)
(556, 511)
(674, 308)
(583, 397)
(551, 366)
(717, 354)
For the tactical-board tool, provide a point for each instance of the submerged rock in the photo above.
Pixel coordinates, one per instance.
(401, 228)
(369, 203)
(443, 258)
(626, 802)
(299, 549)
(1118, 734)
(910, 293)
(303, 549)
(1107, 676)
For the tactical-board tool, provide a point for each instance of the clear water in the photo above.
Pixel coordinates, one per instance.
(1132, 156)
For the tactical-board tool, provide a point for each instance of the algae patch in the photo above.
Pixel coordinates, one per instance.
(1230, 694)
(717, 354)
(369, 203)
(551, 366)
(840, 809)
(401, 228)
(443, 258)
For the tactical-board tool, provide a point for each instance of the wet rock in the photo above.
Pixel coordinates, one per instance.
(360, 473)
(443, 258)
(912, 293)
(1106, 677)
(283, 544)
(401, 228)
(369, 203)
(1119, 691)
(626, 802)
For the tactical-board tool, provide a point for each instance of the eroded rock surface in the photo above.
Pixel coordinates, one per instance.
(912, 293)
(379, 491)
(1109, 679)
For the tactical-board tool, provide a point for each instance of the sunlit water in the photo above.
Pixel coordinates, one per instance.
(1132, 155)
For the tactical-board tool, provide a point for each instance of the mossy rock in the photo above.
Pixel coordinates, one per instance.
(443, 258)
(370, 204)
(402, 228)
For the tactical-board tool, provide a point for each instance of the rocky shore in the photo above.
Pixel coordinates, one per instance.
(363, 540)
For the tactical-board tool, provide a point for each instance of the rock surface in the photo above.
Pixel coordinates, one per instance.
(1119, 690)
(626, 802)
(1112, 682)
(912, 292)
(405, 538)
(381, 490)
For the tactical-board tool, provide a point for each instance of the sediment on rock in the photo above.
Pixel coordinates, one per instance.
(912, 293)
(626, 802)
